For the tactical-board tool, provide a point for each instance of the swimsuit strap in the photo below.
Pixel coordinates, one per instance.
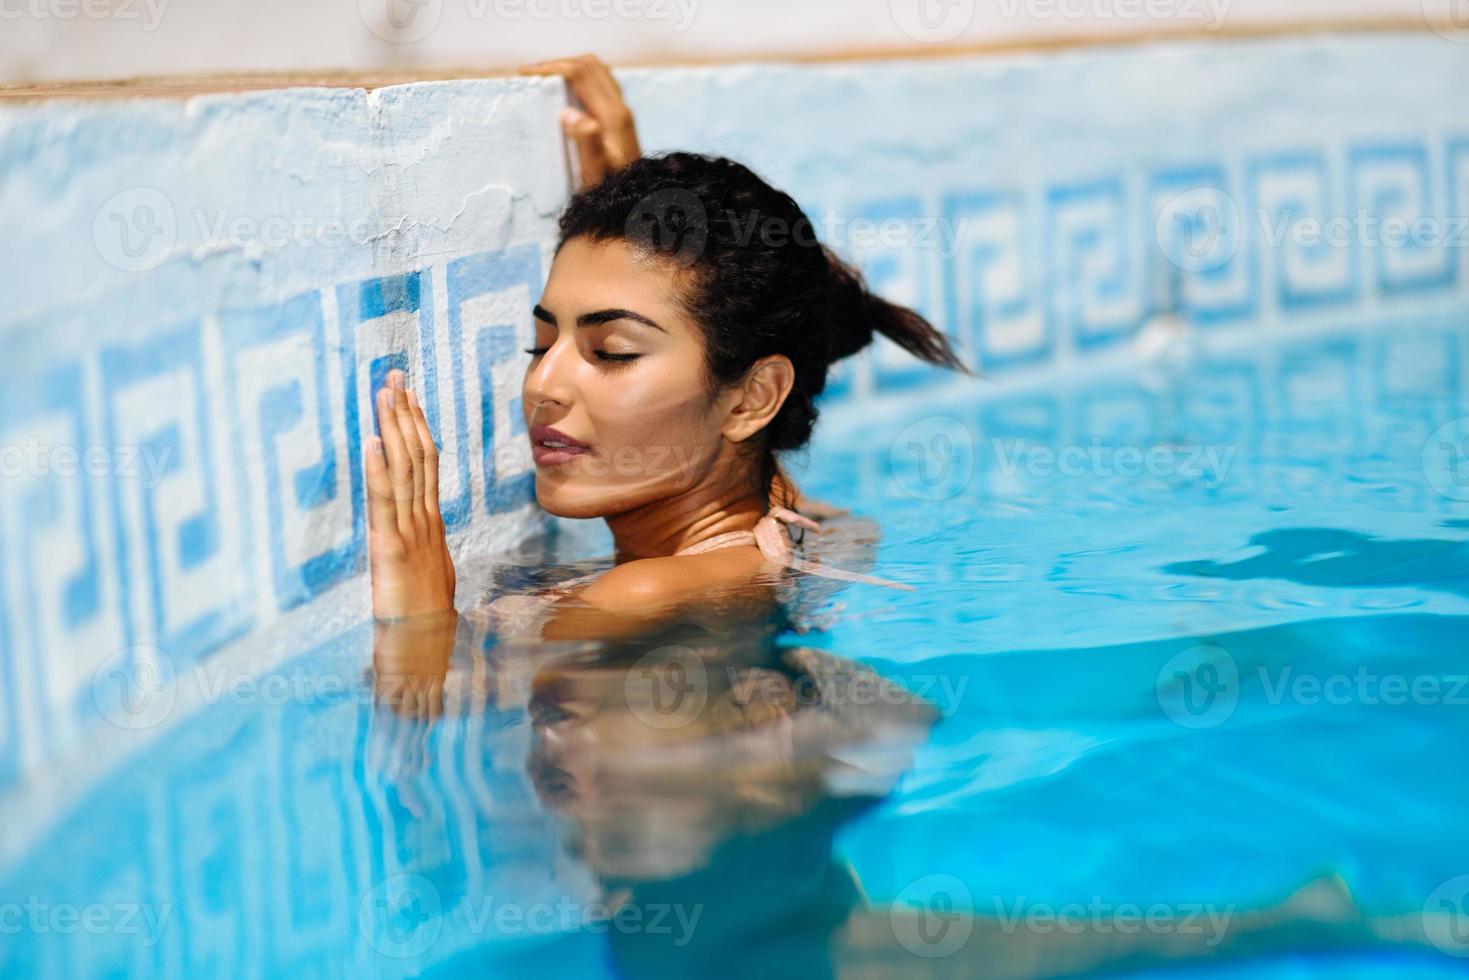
(719, 541)
(775, 544)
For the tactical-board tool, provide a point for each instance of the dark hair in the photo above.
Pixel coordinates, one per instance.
(754, 277)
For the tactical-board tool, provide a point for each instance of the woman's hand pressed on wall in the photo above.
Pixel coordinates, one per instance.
(412, 573)
(605, 134)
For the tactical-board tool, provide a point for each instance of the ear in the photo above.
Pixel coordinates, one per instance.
(758, 398)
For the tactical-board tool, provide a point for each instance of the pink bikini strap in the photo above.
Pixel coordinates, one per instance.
(775, 544)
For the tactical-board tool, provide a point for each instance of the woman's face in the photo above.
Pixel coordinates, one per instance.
(617, 366)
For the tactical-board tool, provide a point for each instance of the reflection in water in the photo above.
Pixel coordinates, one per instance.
(717, 783)
(699, 771)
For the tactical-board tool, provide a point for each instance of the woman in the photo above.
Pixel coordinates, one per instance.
(686, 328)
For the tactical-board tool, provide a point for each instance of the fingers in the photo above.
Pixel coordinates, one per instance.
(400, 472)
(430, 458)
(589, 80)
(403, 466)
(382, 512)
(408, 428)
(586, 133)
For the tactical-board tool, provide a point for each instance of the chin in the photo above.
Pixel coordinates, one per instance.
(560, 500)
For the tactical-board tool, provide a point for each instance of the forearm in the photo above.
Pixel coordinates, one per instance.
(410, 659)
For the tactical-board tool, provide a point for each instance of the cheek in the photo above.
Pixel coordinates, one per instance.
(650, 408)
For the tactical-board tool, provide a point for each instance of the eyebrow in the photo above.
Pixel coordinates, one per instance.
(597, 318)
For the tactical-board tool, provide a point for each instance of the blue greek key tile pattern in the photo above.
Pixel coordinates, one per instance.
(179, 489)
(1041, 276)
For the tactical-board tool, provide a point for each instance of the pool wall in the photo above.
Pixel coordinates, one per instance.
(201, 297)
(203, 294)
(1044, 208)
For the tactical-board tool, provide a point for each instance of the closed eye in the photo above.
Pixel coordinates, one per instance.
(602, 355)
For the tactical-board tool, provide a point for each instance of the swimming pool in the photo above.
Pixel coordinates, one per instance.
(1194, 624)
(1192, 616)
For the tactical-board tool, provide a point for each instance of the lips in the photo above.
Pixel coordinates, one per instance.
(551, 447)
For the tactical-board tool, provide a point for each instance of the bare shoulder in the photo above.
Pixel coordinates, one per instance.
(650, 582)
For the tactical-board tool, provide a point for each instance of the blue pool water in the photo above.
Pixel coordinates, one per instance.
(1196, 630)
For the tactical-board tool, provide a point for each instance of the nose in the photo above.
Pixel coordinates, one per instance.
(548, 378)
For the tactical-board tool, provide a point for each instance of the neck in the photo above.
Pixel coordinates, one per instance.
(667, 525)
